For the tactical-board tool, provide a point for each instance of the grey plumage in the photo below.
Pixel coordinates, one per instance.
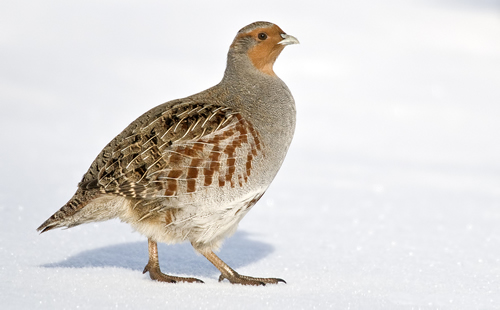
(191, 168)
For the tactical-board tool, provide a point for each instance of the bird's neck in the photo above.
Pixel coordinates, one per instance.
(241, 68)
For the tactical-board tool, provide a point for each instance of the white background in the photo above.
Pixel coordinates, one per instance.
(390, 195)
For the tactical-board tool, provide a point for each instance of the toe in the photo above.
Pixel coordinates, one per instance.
(246, 280)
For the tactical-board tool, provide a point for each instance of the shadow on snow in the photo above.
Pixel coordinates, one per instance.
(180, 259)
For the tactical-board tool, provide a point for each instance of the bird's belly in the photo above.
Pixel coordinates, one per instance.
(205, 224)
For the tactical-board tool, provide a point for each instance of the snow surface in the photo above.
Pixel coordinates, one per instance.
(390, 195)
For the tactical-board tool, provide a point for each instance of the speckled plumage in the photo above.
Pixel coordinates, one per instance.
(190, 169)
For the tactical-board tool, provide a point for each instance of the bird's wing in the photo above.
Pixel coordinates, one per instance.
(176, 151)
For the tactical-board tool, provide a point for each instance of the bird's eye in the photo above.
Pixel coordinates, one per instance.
(262, 36)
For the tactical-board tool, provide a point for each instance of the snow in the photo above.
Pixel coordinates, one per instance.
(390, 195)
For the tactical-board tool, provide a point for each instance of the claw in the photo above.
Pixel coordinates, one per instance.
(246, 280)
(157, 275)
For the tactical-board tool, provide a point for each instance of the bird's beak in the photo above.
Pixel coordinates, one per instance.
(288, 39)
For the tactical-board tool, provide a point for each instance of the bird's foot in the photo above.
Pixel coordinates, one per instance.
(156, 274)
(236, 278)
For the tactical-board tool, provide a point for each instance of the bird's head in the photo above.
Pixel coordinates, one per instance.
(262, 42)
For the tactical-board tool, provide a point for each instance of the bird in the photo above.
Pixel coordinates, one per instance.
(190, 169)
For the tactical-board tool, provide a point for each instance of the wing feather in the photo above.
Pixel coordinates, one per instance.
(178, 150)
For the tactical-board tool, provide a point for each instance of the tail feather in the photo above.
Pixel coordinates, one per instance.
(46, 226)
(62, 218)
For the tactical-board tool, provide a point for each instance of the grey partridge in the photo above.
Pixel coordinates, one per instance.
(191, 168)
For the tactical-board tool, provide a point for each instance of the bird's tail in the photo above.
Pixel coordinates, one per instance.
(63, 217)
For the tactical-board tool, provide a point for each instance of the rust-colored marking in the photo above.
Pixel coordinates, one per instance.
(241, 128)
(170, 215)
(231, 161)
(174, 174)
(209, 175)
(249, 164)
(230, 148)
(212, 166)
(215, 140)
(191, 185)
(226, 144)
(190, 152)
(230, 172)
(172, 182)
(192, 172)
(175, 158)
(228, 133)
(255, 136)
(198, 147)
(214, 163)
(171, 187)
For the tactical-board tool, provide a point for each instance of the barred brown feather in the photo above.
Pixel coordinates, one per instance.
(176, 152)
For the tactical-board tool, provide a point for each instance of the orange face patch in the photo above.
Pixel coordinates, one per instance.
(264, 53)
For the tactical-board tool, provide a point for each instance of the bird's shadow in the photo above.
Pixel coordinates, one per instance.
(180, 259)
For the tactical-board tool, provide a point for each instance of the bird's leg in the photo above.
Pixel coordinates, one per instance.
(234, 277)
(153, 267)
